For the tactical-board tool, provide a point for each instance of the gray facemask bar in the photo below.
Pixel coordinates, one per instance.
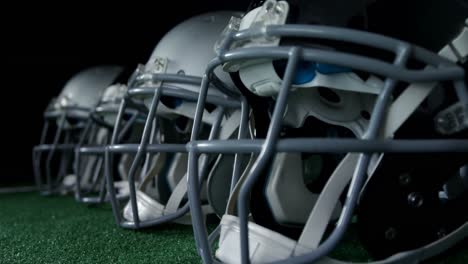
(60, 117)
(89, 133)
(98, 152)
(370, 144)
(145, 146)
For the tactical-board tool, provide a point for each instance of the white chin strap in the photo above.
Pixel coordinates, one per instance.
(69, 182)
(148, 207)
(288, 197)
(266, 245)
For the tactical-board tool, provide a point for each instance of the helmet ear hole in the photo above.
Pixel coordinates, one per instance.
(171, 102)
(210, 107)
(366, 115)
(329, 95)
(73, 121)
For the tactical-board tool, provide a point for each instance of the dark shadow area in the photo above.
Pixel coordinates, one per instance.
(46, 45)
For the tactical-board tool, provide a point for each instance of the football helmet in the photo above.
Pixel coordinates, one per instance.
(168, 84)
(358, 122)
(89, 156)
(64, 120)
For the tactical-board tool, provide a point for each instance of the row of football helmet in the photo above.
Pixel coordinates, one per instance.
(289, 126)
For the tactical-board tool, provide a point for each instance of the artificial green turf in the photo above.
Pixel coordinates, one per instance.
(36, 229)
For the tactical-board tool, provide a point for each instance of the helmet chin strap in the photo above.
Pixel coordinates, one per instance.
(92, 161)
(267, 245)
(288, 196)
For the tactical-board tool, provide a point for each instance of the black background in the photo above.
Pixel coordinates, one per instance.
(47, 44)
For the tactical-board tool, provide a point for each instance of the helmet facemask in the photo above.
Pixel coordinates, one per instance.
(372, 107)
(168, 85)
(65, 119)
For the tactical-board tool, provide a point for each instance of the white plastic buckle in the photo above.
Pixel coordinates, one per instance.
(159, 65)
(232, 26)
(144, 73)
(113, 93)
(63, 101)
(272, 12)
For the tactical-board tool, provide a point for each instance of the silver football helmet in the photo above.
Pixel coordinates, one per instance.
(169, 85)
(64, 120)
(89, 156)
(347, 113)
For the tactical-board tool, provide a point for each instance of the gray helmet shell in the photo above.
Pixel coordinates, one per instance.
(189, 47)
(85, 88)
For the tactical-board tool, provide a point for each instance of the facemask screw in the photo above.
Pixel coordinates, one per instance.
(415, 200)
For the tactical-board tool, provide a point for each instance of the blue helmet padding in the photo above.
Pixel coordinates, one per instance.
(305, 72)
(177, 102)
